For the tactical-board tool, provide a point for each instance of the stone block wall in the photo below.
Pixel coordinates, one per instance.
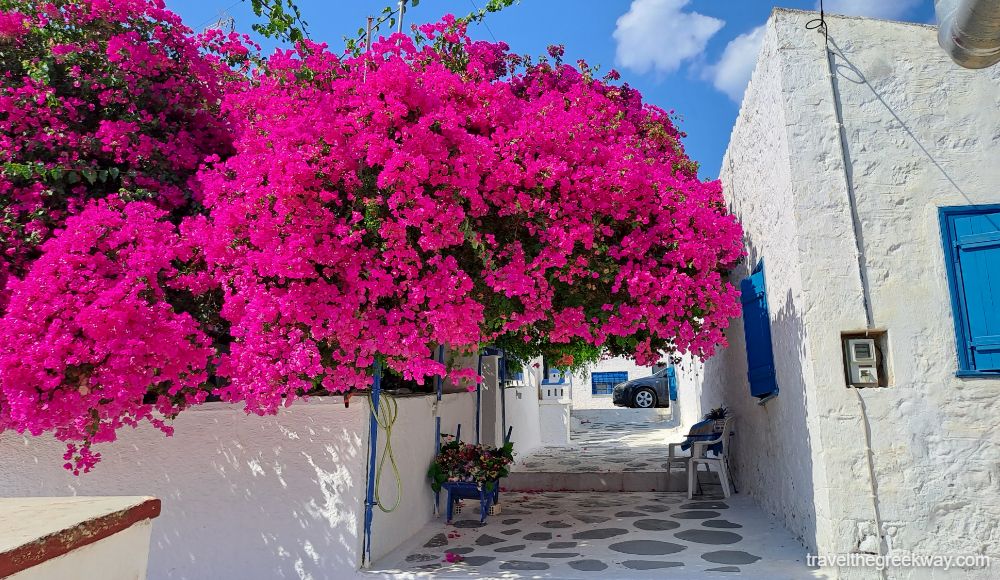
(921, 133)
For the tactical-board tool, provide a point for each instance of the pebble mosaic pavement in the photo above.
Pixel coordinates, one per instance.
(605, 535)
(608, 535)
(603, 446)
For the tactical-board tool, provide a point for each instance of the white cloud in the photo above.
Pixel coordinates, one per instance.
(732, 73)
(890, 9)
(658, 35)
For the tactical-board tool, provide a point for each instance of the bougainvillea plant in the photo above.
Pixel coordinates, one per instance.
(97, 99)
(353, 209)
(107, 110)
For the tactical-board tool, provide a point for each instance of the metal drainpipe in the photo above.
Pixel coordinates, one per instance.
(502, 381)
(366, 552)
(479, 394)
(439, 383)
(969, 31)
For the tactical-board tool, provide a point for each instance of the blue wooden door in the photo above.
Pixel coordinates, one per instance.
(977, 248)
(757, 331)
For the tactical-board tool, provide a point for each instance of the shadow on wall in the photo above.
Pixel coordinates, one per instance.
(771, 455)
(243, 496)
(848, 71)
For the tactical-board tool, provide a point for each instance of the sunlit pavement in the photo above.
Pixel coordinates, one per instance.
(606, 444)
(604, 535)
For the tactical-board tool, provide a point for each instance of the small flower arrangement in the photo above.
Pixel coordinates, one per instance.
(466, 462)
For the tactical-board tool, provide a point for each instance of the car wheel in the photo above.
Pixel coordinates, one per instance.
(644, 398)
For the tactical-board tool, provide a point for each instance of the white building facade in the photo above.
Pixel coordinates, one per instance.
(848, 227)
(591, 387)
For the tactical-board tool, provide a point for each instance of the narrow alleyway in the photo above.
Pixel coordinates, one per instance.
(609, 450)
(594, 529)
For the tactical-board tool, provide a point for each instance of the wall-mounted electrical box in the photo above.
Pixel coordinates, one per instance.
(864, 359)
(861, 361)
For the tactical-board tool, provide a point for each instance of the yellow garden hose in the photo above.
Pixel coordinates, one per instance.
(386, 417)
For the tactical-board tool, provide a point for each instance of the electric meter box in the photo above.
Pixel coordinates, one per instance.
(861, 361)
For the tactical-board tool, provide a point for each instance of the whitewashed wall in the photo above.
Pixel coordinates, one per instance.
(413, 444)
(689, 408)
(922, 133)
(243, 496)
(522, 416)
(772, 458)
(120, 556)
(256, 497)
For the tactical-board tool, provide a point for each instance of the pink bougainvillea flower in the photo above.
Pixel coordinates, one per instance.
(191, 226)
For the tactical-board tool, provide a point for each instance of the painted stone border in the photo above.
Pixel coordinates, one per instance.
(32, 553)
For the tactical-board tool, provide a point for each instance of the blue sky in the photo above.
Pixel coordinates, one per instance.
(693, 56)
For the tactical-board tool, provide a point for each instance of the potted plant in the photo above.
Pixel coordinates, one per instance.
(467, 470)
(480, 465)
(718, 415)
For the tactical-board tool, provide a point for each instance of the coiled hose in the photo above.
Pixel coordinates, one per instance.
(386, 417)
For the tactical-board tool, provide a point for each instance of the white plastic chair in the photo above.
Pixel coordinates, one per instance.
(699, 452)
(676, 457)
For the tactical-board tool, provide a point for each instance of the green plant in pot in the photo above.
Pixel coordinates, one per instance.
(719, 415)
(469, 463)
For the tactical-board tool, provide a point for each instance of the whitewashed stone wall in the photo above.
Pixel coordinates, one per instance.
(523, 417)
(256, 497)
(243, 496)
(414, 447)
(772, 459)
(922, 133)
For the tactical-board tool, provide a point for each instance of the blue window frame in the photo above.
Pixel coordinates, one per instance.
(971, 236)
(757, 331)
(603, 383)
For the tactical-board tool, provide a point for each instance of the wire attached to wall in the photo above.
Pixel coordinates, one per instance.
(820, 24)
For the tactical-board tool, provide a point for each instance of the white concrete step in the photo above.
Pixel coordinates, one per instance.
(608, 481)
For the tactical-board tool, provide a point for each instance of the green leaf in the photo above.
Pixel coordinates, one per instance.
(73, 177)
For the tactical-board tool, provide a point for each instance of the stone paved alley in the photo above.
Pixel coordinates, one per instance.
(605, 534)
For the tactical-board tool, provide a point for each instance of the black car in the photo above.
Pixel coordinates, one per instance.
(644, 393)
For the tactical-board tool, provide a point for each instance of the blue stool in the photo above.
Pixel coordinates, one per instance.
(467, 490)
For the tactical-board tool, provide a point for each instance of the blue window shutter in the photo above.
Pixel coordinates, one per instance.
(977, 265)
(604, 383)
(672, 382)
(757, 330)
